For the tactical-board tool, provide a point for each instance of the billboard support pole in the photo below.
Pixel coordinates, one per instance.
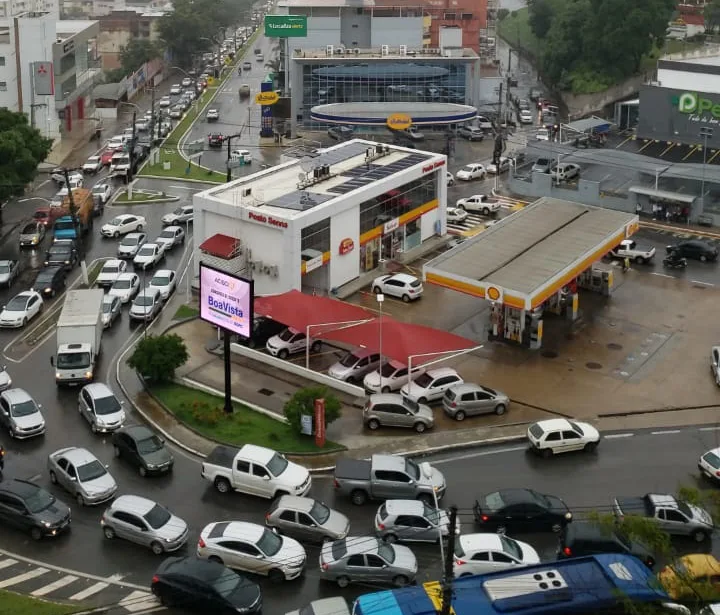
(226, 360)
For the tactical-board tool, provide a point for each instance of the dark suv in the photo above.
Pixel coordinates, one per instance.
(579, 539)
(50, 281)
(30, 508)
(263, 330)
(215, 141)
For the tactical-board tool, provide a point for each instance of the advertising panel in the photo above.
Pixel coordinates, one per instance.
(226, 301)
(286, 26)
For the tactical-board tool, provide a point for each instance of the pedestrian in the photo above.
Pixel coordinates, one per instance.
(626, 264)
(668, 215)
(638, 209)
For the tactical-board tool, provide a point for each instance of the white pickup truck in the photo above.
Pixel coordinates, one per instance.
(255, 470)
(629, 249)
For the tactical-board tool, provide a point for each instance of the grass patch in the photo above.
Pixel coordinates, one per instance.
(180, 168)
(204, 413)
(94, 270)
(140, 197)
(186, 311)
(15, 604)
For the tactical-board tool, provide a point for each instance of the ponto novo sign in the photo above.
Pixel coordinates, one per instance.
(693, 103)
(399, 121)
(269, 220)
(432, 167)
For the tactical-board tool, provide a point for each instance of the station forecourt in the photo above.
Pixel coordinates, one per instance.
(532, 264)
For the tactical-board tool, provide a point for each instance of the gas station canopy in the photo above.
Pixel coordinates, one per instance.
(527, 257)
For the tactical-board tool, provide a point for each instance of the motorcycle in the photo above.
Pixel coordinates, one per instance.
(675, 263)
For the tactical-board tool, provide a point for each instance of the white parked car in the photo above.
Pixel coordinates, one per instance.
(110, 272)
(400, 285)
(21, 309)
(290, 341)
(456, 215)
(122, 225)
(126, 286)
(478, 203)
(165, 102)
(449, 178)
(488, 552)
(186, 82)
(102, 192)
(241, 154)
(431, 385)
(565, 171)
(98, 405)
(556, 436)
(164, 280)
(92, 165)
(171, 236)
(131, 244)
(252, 548)
(471, 171)
(180, 215)
(149, 255)
(504, 166)
(390, 377)
(176, 89)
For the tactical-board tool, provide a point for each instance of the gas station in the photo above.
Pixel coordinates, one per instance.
(532, 264)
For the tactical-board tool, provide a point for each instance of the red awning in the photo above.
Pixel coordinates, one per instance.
(298, 310)
(221, 246)
(400, 340)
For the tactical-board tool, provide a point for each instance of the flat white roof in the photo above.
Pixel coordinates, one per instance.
(280, 191)
(66, 28)
(709, 60)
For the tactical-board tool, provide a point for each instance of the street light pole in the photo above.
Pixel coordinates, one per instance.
(380, 299)
(705, 132)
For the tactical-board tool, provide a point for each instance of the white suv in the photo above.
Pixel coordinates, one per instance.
(400, 285)
(290, 341)
(471, 171)
(431, 385)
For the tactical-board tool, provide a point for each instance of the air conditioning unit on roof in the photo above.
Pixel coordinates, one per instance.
(329, 49)
(403, 50)
(385, 50)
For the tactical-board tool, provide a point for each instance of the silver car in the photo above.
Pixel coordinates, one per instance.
(8, 272)
(394, 410)
(324, 606)
(367, 559)
(354, 365)
(171, 236)
(306, 519)
(111, 307)
(99, 406)
(20, 415)
(470, 399)
(32, 235)
(5, 379)
(131, 244)
(144, 522)
(412, 521)
(147, 304)
(80, 473)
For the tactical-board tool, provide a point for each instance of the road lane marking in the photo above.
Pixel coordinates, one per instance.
(662, 275)
(21, 578)
(89, 591)
(666, 150)
(667, 431)
(60, 583)
(481, 454)
(6, 563)
(618, 435)
(186, 188)
(713, 157)
(139, 601)
(693, 149)
(716, 428)
(701, 282)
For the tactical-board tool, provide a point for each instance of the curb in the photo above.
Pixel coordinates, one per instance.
(172, 199)
(181, 179)
(678, 229)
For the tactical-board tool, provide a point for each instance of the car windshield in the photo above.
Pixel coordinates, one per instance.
(39, 501)
(349, 360)
(167, 234)
(144, 300)
(320, 512)
(459, 551)
(17, 304)
(270, 543)
(276, 466)
(130, 241)
(160, 280)
(107, 405)
(40, 215)
(149, 445)
(388, 370)
(30, 229)
(4, 268)
(110, 269)
(157, 517)
(412, 469)
(116, 222)
(91, 471)
(685, 509)
(24, 408)
(146, 251)
(712, 459)
(286, 335)
(72, 360)
(107, 307)
(122, 284)
(179, 210)
(424, 381)
(387, 552)
(511, 547)
(536, 431)
(99, 189)
(58, 250)
(410, 405)
(494, 501)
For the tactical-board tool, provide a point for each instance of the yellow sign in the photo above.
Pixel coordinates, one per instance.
(228, 60)
(493, 293)
(267, 98)
(399, 121)
(210, 80)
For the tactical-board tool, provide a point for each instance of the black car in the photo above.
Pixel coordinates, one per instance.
(143, 449)
(340, 133)
(263, 330)
(196, 584)
(63, 255)
(699, 250)
(30, 508)
(50, 281)
(215, 140)
(521, 510)
(579, 539)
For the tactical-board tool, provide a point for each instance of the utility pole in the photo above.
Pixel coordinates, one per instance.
(73, 214)
(152, 114)
(228, 140)
(500, 103)
(131, 153)
(447, 588)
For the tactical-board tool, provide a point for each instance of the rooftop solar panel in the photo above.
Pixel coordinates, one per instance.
(299, 200)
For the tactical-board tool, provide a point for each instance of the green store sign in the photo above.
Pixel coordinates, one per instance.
(285, 26)
(693, 103)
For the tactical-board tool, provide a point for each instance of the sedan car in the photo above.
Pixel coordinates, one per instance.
(521, 510)
(80, 473)
(412, 521)
(253, 548)
(175, 89)
(164, 280)
(367, 560)
(50, 281)
(502, 166)
(431, 385)
(698, 250)
(140, 447)
(205, 586)
(147, 304)
(484, 553)
(165, 102)
(110, 310)
(390, 377)
(99, 406)
(32, 235)
(471, 171)
(393, 410)
(126, 286)
(61, 254)
(131, 244)
(215, 141)
(102, 192)
(555, 436)
(20, 414)
(456, 215)
(177, 112)
(110, 272)
(21, 309)
(148, 256)
(709, 464)
(144, 522)
(8, 272)
(29, 508)
(400, 285)
(171, 236)
(92, 165)
(468, 399)
(186, 82)
(122, 225)
(306, 519)
(180, 215)
(213, 115)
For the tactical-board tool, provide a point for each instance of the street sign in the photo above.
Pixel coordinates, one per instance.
(195, 156)
(286, 26)
(266, 98)
(197, 146)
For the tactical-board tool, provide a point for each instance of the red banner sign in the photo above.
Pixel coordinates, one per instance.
(320, 423)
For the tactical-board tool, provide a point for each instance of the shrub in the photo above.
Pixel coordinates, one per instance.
(157, 357)
(303, 402)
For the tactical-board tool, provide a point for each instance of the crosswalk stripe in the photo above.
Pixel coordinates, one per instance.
(21, 578)
(6, 563)
(60, 583)
(89, 591)
(138, 601)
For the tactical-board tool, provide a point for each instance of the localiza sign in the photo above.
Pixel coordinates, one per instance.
(286, 26)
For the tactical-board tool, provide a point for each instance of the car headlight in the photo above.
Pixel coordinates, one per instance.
(88, 374)
(568, 515)
(67, 262)
(34, 240)
(47, 290)
(46, 523)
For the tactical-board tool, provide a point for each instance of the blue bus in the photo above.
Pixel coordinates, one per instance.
(577, 586)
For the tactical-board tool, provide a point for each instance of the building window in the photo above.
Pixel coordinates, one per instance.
(2, 60)
(3, 86)
(394, 203)
(315, 239)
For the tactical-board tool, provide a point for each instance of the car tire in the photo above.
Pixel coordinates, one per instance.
(400, 580)
(546, 453)
(590, 447)
(386, 389)
(142, 471)
(703, 258)
(53, 478)
(486, 211)
(390, 538)
(216, 559)
(156, 548)
(699, 536)
(419, 427)
(316, 346)
(223, 485)
(358, 497)
(24, 322)
(116, 235)
(139, 228)
(36, 534)
(462, 207)
(116, 451)
(640, 260)
(80, 499)
(373, 424)
(422, 400)
(406, 298)
(500, 409)
(276, 576)
(283, 354)
(342, 582)
(459, 415)
(109, 532)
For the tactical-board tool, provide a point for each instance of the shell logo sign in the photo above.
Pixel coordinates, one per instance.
(494, 294)
(399, 121)
(266, 98)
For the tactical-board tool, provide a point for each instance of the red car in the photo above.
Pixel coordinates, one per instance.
(106, 157)
(215, 140)
(47, 215)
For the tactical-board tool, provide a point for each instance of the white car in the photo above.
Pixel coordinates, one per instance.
(555, 436)
(241, 154)
(449, 178)
(111, 310)
(164, 280)
(526, 116)
(99, 406)
(504, 166)
(125, 287)
(488, 552)
(400, 285)
(122, 225)
(20, 414)
(176, 89)
(478, 203)
(92, 165)
(213, 115)
(431, 385)
(131, 244)
(543, 134)
(252, 548)
(102, 192)
(147, 304)
(117, 143)
(165, 102)
(390, 377)
(21, 309)
(171, 236)
(186, 82)
(58, 176)
(149, 255)
(456, 215)
(471, 171)
(290, 341)
(110, 272)
(181, 215)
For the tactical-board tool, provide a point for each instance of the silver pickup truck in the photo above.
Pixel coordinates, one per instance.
(388, 477)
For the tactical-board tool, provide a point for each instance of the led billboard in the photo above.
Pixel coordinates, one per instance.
(226, 301)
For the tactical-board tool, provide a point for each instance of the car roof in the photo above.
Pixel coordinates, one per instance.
(239, 530)
(16, 395)
(295, 502)
(149, 244)
(664, 500)
(126, 216)
(172, 227)
(442, 371)
(137, 432)
(403, 277)
(386, 398)
(135, 235)
(127, 275)
(257, 453)
(553, 424)
(467, 387)
(166, 272)
(148, 291)
(21, 488)
(478, 542)
(516, 496)
(133, 503)
(75, 455)
(98, 389)
(405, 507)
(362, 544)
(26, 293)
(113, 262)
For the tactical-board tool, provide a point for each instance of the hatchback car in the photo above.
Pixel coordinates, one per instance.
(579, 539)
(165, 281)
(290, 341)
(213, 115)
(130, 245)
(565, 171)
(367, 559)
(80, 473)
(412, 521)
(306, 519)
(555, 436)
(126, 286)
(202, 586)
(50, 281)
(698, 250)
(471, 133)
(140, 447)
(29, 508)
(709, 464)
(181, 215)
(400, 285)
(102, 192)
(393, 410)
(9, 270)
(354, 365)
(20, 414)
(484, 553)
(122, 225)
(431, 385)
(21, 309)
(468, 399)
(521, 510)
(390, 377)
(110, 272)
(165, 102)
(171, 236)
(32, 235)
(502, 166)
(63, 255)
(144, 522)
(471, 171)
(455, 215)
(147, 304)
(100, 407)
(253, 548)
(110, 311)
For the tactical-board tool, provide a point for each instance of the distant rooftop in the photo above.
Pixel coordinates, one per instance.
(393, 53)
(66, 28)
(325, 3)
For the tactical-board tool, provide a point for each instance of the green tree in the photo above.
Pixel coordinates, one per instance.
(22, 149)
(137, 52)
(303, 403)
(563, 49)
(157, 357)
(502, 14)
(540, 16)
(712, 15)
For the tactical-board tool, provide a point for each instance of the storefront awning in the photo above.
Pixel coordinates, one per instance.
(665, 195)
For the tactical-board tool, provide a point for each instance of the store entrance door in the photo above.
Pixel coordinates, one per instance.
(392, 243)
